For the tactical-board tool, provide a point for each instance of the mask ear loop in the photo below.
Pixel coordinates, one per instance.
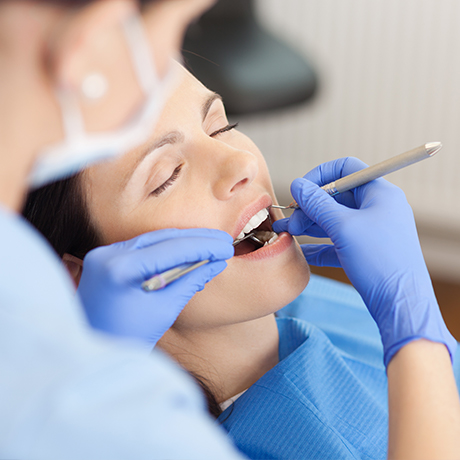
(74, 125)
(143, 62)
(141, 54)
(156, 90)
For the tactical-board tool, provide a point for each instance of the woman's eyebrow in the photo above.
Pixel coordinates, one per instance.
(174, 137)
(208, 103)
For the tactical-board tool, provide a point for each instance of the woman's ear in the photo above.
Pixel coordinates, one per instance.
(74, 266)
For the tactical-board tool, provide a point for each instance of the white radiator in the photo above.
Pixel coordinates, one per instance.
(389, 81)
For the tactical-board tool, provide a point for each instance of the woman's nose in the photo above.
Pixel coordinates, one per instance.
(234, 171)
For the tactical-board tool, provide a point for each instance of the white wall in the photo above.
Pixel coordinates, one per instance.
(390, 81)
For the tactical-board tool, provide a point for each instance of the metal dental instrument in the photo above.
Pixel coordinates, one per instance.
(374, 172)
(163, 279)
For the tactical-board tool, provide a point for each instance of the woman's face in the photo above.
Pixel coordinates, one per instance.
(197, 171)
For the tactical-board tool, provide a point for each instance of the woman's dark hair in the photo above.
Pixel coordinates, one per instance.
(60, 212)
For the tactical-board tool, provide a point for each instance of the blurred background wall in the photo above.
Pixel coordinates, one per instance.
(389, 80)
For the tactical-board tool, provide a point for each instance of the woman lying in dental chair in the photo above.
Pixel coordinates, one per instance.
(282, 387)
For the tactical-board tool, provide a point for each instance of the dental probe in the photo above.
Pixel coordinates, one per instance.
(163, 279)
(374, 172)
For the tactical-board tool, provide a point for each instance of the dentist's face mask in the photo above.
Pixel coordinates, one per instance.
(79, 148)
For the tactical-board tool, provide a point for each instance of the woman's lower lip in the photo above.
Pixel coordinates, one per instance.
(278, 246)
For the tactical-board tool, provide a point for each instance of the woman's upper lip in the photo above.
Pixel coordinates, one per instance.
(251, 210)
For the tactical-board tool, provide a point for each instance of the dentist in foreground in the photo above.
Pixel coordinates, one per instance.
(81, 81)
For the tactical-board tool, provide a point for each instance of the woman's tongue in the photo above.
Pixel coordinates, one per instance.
(246, 246)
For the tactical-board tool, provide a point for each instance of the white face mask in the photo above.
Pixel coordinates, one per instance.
(80, 149)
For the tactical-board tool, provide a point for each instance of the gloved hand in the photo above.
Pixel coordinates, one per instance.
(110, 285)
(375, 241)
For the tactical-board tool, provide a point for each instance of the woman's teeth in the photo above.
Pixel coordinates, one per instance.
(256, 233)
(254, 222)
(266, 237)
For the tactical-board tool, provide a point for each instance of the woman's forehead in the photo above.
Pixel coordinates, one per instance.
(187, 87)
(186, 100)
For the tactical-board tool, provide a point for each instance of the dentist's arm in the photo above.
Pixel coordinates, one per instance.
(424, 407)
(110, 285)
(375, 241)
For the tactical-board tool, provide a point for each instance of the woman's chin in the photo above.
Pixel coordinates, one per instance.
(288, 283)
(248, 289)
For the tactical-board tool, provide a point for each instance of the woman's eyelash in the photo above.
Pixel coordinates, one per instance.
(224, 129)
(169, 182)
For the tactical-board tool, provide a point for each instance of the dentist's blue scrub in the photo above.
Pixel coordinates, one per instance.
(67, 393)
(327, 397)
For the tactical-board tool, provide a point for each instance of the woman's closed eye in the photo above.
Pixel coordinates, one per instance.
(167, 183)
(224, 130)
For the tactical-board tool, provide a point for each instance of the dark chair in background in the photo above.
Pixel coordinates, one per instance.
(253, 70)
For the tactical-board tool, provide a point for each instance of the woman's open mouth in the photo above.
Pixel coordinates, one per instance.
(256, 234)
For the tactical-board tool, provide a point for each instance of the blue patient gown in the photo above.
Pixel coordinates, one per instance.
(327, 397)
(317, 403)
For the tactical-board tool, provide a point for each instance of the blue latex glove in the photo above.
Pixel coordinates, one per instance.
(110, 285)
(375, 240)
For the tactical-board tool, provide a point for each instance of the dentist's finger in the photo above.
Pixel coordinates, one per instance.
(299, 223)
(157, 236)
(317, 205)
(313, 230)
(320, 255)
(281, 225)
(196, 280)
(335, 169)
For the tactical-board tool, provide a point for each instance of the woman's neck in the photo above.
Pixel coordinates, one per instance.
(230, 358)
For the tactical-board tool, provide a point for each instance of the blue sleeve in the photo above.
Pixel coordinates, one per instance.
(66, 392)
